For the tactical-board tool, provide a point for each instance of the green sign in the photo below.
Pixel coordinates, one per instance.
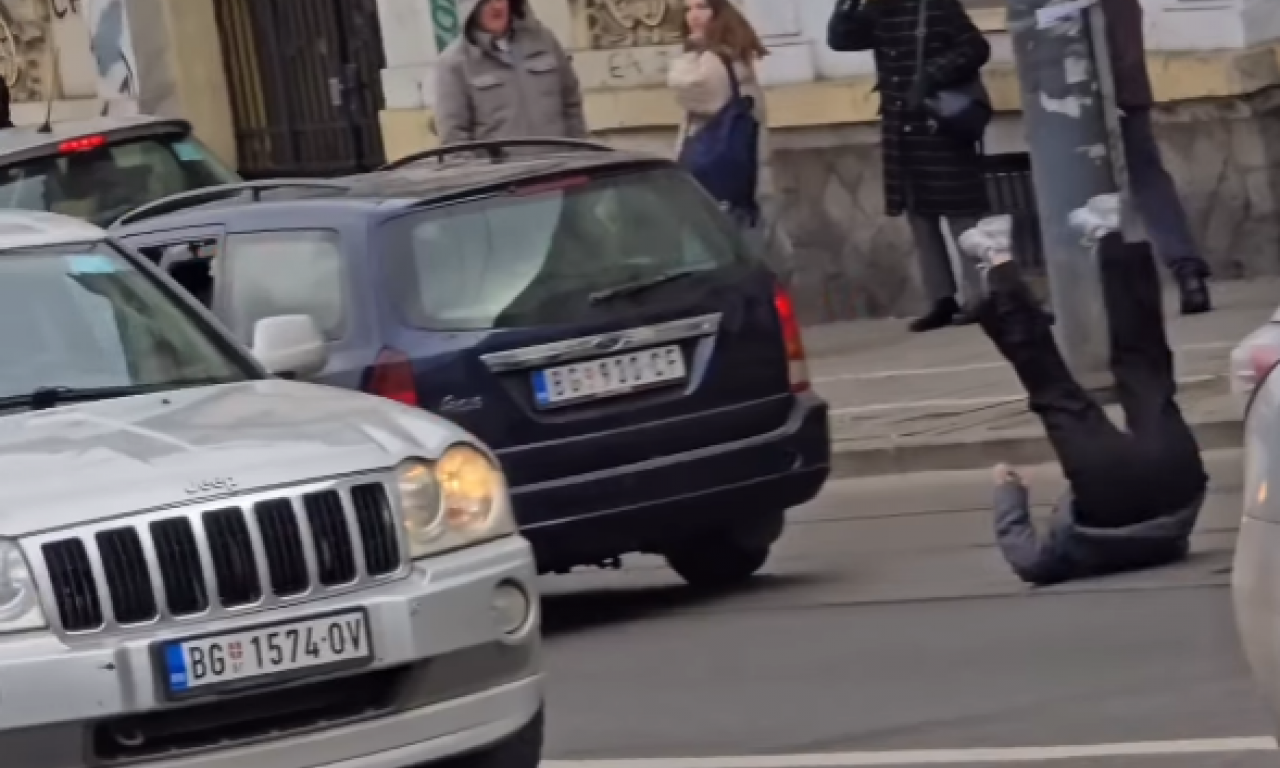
(444, 18)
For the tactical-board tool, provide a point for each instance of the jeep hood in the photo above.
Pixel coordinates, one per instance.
(95, 461)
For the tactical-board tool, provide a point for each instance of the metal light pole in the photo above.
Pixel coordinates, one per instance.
(1071, 128)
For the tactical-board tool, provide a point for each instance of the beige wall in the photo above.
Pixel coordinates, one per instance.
(181, 68)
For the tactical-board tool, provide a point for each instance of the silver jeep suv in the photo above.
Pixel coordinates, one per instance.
(206, 566)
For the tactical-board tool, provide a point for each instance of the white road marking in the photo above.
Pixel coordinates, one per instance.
(940, 756)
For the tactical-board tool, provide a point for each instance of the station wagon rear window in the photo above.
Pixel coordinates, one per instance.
(98, 180)
(548, 254)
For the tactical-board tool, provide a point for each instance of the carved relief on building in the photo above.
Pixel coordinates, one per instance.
(631, 23)
(24, 48)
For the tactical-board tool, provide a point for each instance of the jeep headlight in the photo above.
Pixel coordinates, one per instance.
(19, 602)
(455, 502)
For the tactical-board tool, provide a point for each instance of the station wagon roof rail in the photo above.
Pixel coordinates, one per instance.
(199, 197)
(495, 149)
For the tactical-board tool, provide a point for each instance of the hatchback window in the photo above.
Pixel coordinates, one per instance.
(104, 181)
(266, 274)
(84, 317)
(547, 257)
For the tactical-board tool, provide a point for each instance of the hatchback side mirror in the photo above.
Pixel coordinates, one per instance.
(290, 345)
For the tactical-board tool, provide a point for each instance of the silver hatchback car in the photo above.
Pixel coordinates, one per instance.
(203, 565)
(1256, 574)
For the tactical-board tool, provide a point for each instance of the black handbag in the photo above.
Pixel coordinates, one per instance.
(963, 111)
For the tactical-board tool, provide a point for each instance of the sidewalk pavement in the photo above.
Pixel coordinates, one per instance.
(902, 402)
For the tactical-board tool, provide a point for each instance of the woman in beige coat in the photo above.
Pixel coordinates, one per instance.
(717, 36)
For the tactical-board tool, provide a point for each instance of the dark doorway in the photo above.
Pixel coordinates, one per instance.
(305, 83)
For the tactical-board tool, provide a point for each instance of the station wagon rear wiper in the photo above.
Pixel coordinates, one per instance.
(44, 398)
(637, 286)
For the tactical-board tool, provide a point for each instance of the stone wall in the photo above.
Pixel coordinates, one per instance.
(1225, 157)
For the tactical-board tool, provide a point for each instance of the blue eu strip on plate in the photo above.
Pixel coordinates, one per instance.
(540, 393)
(176, 664)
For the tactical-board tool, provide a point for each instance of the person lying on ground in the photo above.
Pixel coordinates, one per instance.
(1134, 495)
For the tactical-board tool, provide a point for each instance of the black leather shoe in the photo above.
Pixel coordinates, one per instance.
(1194, 292)
(966, 316)
(940, 316)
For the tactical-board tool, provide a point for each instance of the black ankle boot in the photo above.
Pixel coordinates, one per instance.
(939, 317)
(1194, 292)
(967, 316)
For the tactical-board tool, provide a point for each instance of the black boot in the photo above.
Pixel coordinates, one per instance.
(940, 316)
(1194, 292)
(967, 316)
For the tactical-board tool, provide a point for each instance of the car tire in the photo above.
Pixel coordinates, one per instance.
(718, 564)
(729, 557)
(522, 749)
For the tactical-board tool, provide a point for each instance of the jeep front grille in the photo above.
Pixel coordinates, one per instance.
(222, 557)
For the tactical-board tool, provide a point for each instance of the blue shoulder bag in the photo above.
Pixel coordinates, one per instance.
(723, 155)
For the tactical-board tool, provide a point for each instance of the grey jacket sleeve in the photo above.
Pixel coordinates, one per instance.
(455, 120)
(575, 120)
(1035, 559)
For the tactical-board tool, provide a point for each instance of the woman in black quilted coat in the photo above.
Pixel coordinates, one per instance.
(928, 175)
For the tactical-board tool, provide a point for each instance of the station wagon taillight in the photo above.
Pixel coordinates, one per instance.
(393, 378)
(84, 144)
(797, 364)
(555, 185)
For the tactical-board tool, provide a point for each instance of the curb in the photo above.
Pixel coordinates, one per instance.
(850, 460)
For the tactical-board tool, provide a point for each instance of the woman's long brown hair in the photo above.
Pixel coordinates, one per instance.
(729, 33)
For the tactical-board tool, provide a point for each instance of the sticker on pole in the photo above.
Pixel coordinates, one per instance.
(1052, 15)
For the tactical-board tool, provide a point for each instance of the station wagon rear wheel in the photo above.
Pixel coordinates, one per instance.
(728, 557)
(717, 564)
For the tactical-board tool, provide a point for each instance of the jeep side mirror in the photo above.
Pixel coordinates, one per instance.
(290, 346)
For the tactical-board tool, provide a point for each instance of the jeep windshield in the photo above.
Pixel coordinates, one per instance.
(82, 322)
(555, 251)
(97, 179)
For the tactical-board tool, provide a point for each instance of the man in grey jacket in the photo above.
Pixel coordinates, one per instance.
(1134, 496)
(505, 77)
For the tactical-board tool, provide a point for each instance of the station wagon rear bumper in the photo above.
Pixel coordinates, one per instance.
(646, 507)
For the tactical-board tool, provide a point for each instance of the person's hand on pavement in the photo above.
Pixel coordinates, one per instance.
(1004, 474)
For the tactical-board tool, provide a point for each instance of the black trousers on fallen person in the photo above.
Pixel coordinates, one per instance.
(1118, 477)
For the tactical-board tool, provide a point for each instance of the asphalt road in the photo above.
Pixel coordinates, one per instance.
(887, 631)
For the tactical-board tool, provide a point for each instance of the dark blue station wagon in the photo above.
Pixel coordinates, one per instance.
(590, 314)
